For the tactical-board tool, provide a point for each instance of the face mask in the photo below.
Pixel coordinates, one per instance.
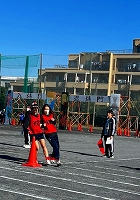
(46, 112)
(28, 109)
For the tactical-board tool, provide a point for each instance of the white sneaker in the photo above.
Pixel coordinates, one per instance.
(48, 162)
(26, 146)
(111, 156)
(58, 163)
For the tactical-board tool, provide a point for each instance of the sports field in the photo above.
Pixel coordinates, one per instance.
(83, 175)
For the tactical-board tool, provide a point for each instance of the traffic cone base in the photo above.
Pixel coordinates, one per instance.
(31, 164)
(32, 159)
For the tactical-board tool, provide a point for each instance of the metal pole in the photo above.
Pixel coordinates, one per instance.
(129, 99)
(94, 106)
(40, 78)
(0, 74)
(88, 104)
(40, 73)
(25, 88)
(65, 81)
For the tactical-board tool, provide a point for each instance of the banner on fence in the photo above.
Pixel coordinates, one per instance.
(22, 95)
(89, 98)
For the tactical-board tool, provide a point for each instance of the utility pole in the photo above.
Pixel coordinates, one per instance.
(90, 81)
(129, 101)
(94, 107)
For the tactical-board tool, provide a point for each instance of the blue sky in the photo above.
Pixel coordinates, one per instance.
(67, 26)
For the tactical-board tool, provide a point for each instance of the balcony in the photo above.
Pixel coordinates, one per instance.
(97, 66)
(128, 66)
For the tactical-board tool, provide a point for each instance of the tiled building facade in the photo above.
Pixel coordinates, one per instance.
(99, 73)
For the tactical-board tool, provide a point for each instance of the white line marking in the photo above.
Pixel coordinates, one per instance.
(24, 194)
(97, 161)
(112, 169)
(129, 159)
(74, 181)
(58, 188)
(121, 175)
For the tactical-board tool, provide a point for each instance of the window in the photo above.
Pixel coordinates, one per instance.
(138, 49)
(73, 64)
(87, 65)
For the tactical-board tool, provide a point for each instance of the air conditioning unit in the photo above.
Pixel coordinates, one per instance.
(81, 66)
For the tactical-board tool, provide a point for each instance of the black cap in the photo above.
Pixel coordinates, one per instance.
(110, 111)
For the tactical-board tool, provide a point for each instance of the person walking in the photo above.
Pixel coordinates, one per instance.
(33, 125)
(108, 133)
(48, 123)
(21, 118)
(25, 129)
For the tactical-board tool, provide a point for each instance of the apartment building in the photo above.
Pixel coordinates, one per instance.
(17, 83)
(101, 73)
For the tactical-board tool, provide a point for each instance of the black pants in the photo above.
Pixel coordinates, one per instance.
(54, 142)
(108, 148)
(26, 136)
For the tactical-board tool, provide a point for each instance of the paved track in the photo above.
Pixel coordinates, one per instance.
(84, 174)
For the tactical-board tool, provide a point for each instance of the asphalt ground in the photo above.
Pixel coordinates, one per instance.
(84, 173)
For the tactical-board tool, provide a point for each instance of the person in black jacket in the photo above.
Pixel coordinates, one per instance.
(25, 130)
(108, 133)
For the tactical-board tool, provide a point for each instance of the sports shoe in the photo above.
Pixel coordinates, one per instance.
(105, 156)
(58, 163)
(26, 146)
(48, 160)
(52, 160)
(111, 156)
(55, 161)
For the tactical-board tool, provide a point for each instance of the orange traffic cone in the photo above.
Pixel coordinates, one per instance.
(80, 127)
(69, 128)
(32, 159)
(125, 131)
(91, 128)
(128, 133)
(136, 133)
(13, 122)
(118, 131)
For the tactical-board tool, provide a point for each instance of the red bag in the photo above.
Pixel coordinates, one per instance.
(101, 146)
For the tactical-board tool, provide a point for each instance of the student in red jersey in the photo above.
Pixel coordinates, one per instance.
(34, 127)
(48, 122)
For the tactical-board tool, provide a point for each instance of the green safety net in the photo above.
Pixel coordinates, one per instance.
(24, 67)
